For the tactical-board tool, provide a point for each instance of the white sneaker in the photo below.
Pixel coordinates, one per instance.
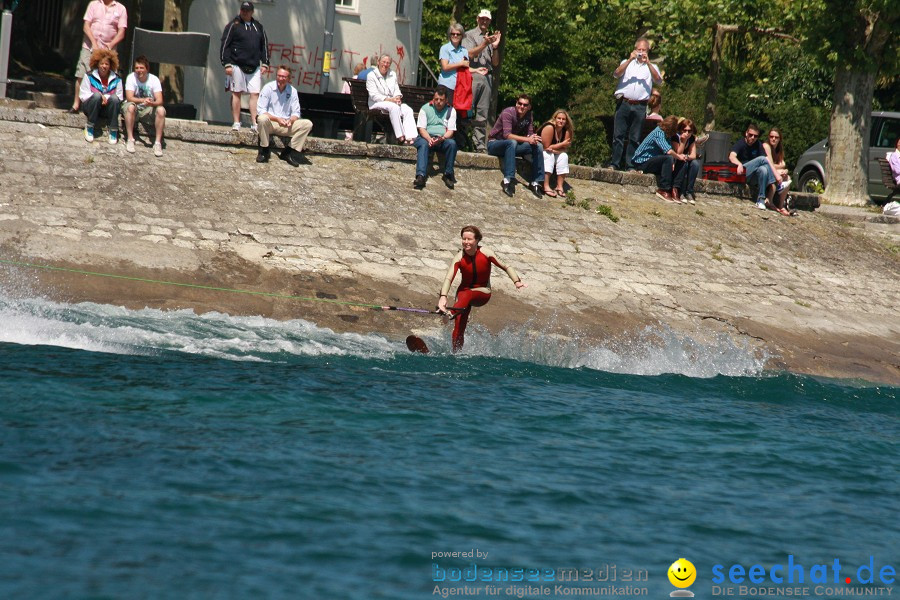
(785, 184)
(89, 133)
(253, 128)
(157, 149)
(761, 204)
(236, 127)
(113, 137)
(129, 146)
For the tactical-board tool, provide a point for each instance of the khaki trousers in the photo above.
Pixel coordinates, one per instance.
(298, 131)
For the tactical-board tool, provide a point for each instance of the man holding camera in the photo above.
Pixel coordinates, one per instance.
(483, 56)
(636, 76)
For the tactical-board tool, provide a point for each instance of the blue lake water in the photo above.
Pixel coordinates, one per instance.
(150, 454)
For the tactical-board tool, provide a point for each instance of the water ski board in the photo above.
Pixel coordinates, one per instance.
(416, 344)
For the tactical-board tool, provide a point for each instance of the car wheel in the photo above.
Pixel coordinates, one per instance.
(811, 181)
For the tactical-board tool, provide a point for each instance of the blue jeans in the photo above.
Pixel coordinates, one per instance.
(423, 154)
(628, 122)
(760, 169)
(691, 170)
(507, 150)
(93, 109)
(661, 166)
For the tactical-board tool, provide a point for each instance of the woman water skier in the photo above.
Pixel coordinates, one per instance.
(474, 264)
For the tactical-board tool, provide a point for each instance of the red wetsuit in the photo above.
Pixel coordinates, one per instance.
(475, 288)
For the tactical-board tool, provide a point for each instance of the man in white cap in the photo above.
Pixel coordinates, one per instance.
(483, 58)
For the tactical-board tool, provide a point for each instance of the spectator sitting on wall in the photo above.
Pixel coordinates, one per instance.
(774, 147)
(104, 27)
(101, 93)
(684, 142)
(437, 125)
(556, 137)
(513, 135)
(655, 155)
(279, 114)
(143, 102)
(750, 157)
(245, 55)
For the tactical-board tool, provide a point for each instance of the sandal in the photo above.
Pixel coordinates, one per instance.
(784, 213)
(560, 192)
(549, 192)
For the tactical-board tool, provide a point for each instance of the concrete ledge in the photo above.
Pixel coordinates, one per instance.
(26, 111)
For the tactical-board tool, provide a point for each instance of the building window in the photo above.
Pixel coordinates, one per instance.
(346, 4)
(401, 8)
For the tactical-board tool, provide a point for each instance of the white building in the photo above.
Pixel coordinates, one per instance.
(299, 36)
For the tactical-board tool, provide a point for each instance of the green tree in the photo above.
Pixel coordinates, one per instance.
(856, 38)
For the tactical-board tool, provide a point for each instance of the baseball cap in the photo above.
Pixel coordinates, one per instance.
(247, 6)
(484, 13)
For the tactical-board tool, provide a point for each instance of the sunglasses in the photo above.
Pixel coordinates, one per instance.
(753, 135)
(455, 35)
(525, 104)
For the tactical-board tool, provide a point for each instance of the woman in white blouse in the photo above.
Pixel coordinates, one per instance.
(384, 93)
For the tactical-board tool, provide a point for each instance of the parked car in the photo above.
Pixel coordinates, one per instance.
(809, 174)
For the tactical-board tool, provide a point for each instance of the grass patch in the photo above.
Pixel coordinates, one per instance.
(699, 213)
(607, 211)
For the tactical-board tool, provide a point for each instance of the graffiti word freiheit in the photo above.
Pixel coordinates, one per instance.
(306, 62)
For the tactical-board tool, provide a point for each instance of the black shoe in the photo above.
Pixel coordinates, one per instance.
(611, 166)
(449, 180)
(295, 159)
(536, 189)
(419, 183)
(286, 153)
(263, 155)
(508, 188)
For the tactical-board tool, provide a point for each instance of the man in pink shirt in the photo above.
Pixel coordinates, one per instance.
(105, 22)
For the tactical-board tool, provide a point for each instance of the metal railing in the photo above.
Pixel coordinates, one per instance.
(425, 77)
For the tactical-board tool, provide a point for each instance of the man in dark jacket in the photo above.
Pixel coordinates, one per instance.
(245, 56)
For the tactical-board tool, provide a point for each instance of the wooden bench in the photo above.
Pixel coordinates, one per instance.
(887, 177)
(413, 96)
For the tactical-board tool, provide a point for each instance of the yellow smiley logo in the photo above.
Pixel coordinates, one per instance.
(682, 573)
